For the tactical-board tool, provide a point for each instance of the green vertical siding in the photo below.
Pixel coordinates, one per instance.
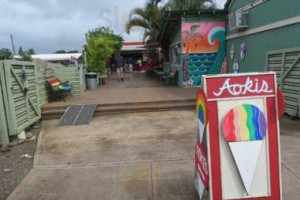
(268, 12)
(286, 64)
(175, 67)
(4, 140)
(21, 108)
(259, 44)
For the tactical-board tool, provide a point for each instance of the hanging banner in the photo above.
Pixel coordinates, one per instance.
(242, 137)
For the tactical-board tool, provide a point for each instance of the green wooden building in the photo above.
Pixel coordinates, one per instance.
(193, 44)
(263, 35)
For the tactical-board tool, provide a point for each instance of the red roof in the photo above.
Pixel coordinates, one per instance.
(132, 43)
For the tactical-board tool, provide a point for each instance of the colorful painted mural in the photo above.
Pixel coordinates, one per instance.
(203, 47)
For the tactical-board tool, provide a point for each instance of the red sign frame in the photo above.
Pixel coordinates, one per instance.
(216, 89)
(201, 163)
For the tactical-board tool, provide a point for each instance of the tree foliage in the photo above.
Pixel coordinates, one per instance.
(5, 54)
(60, 51)
(20, 51)
(101, 43)
(180, 5)
(26, 56)
(31, 51)
(150, 18)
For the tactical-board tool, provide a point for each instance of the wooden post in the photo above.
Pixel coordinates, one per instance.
(3, 121)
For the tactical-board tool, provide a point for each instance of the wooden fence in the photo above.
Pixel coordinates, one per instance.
(23, 90)
(19, 97)
(73, 74)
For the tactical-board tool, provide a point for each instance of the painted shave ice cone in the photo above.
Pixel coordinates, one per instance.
(201, 113)
(244, 128)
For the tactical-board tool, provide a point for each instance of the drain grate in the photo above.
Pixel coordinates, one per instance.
(77, 115)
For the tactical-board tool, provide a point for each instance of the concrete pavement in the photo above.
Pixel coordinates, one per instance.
(132, 156)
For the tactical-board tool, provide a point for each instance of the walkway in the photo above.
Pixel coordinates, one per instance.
(142, 156)
(133, 156)
(136, 87)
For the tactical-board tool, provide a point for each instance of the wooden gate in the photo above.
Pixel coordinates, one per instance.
(286, 64)
(19, 94)
(3, 121)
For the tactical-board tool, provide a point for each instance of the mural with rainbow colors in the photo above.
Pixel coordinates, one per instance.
(201, 113)
(203, 44)
(244, 123)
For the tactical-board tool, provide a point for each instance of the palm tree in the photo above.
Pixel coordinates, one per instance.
(191, 37)
(150, 18)
(180, 5)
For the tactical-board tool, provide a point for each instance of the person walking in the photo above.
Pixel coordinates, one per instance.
(126, 66)
(112, 64)
(139, 64)
(119, 62)
(130, 64)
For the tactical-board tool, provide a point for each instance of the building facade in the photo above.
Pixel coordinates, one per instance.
(193, 44)
(263, 35)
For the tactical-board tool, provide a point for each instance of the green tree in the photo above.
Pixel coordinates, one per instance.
(20, 51)
(101, 43)
(31, 51)
(60, 51)
(72, 51)
(26, 56)
(5, 54)
(151, 17)
(180, 5)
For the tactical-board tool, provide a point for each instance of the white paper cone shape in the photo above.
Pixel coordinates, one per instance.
(200, 186)
(246, 156)
(201, 130)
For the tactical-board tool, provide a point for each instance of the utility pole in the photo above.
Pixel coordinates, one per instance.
(12, 44)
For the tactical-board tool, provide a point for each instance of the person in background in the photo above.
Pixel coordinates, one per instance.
(130, 64)
(112, 64)
(126, 65)
(119, 62)
(139, 64)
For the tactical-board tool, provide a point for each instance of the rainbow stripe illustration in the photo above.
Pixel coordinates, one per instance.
(201, 107)
(244, 123)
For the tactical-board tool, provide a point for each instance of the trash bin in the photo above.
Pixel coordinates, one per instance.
(91, 80)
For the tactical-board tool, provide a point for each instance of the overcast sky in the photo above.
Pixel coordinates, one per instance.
(50, 25)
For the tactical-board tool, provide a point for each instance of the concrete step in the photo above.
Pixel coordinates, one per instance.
(47, 108)
(113, 109)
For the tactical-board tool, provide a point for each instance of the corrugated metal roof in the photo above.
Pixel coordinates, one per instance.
(57, 57)
(133, 46)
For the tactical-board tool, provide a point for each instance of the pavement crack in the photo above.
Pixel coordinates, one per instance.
(291, 171)
(152, 185)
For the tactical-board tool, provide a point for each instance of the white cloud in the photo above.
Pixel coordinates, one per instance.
(50, 25)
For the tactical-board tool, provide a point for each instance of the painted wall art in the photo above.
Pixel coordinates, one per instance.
(244, 127)
(243, 50)
(203, 47)
(232, 51)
